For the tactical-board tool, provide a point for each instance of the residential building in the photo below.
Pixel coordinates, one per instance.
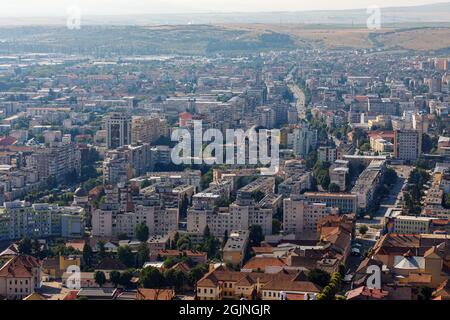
(118, 130)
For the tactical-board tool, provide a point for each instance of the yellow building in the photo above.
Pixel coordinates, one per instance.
(55, 267)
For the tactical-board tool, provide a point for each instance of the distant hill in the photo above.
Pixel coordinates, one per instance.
(434, 13)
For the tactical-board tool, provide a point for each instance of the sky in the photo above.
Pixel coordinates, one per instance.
(32, 8)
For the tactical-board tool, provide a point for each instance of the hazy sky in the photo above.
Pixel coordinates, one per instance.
(11, 8)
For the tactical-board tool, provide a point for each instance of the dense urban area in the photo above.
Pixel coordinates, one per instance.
(93, 206)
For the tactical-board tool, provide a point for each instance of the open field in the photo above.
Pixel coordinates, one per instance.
(220, 38)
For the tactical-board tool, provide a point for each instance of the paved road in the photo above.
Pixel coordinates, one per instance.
(298, 94)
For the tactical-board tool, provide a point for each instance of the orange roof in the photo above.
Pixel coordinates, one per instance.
(71, 295)
(367, 293)
(185, 116)
(177, 253)
(295, 296)
(260, 263)
(20, 267)
(7, 141)
(155, 294)
(77, 245)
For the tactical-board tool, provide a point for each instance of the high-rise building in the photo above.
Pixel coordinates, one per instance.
(407, 145)
(304, 141)
(301, 216)
(147, 129)
(118, 130)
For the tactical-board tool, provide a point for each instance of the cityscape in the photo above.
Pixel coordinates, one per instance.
(232, 158)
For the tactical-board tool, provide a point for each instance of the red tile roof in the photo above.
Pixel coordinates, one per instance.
(20, 267)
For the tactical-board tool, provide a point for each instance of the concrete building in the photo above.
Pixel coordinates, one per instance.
(236, 247)
(327, 154)
(147, 129)
(412, 225)
(20, 277)
(338, 174)
(346, 202)
(305, 140)
(367, 184)
(301, 217)
(407, 145)
(19, 219)
(118, 130)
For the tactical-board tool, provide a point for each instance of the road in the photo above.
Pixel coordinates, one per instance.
(298, 94)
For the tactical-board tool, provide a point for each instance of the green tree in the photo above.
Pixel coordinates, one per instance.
(114, 277)
(101, 250)
(276, 226)
(87, 255)
(25, 246)
(141, 231)
(334, 188)
(425, 293)
(390, 176)
(319, 277)
(146, 183)
(151, 278)
(196, 273)
(126, 256)
(143, 254)
(100, 278)
(176, 237)
(125, 278)
(256, 235)
(363, 229)
(184, 243)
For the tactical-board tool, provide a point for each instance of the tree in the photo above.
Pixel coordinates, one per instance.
(151, 278)
(143, 254)
(184, 243)
(390, 176)
(425, 293)
(446, 202)
(146, 183)
(141, 231)
(101, 250)
(225, 238)
(169, 262)
(363, 229)
(256, 235)
(206, 232)
(276, 226)
(169, 278)
(114, 277)
(196, 273)
(334, 188)
(87, 255)
(176, 237)
(25, 246)
(211, 246)
(125, 278)
(126, 256)
(319, 277)
(100, 278)
(325, 182)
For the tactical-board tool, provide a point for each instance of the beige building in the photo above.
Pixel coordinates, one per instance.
(412, 225)
(236, 247)
(301, 217)
(111, 222)
(407, 145)
(20, 277)
(147, 129)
